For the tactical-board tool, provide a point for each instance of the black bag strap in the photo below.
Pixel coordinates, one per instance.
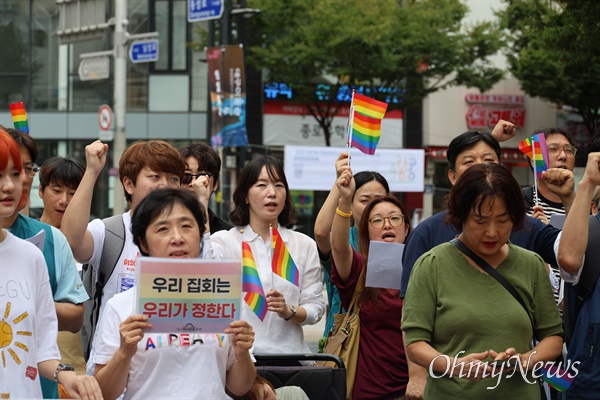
(492, 272)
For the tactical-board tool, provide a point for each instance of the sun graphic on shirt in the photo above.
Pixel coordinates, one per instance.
(7, 336)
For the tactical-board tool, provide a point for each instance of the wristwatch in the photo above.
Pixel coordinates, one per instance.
(293, 310)
(62, 367)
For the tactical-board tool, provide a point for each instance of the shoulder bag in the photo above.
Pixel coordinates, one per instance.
(344, 339)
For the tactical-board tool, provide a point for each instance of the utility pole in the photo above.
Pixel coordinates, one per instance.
(120, 97)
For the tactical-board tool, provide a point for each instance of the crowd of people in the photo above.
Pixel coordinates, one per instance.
(491, 290)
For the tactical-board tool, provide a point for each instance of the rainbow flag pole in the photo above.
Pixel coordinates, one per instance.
(536, 149)
(282, 262)
(251, 284)
(19, 116)
(349, 128)
(367, 114)
(535, 184)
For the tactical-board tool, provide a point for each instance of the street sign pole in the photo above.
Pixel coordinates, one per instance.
(120, 96)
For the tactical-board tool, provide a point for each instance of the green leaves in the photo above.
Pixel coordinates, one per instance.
(553, 49)
(417, 46)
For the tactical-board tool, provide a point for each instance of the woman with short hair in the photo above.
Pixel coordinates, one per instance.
(456, 315)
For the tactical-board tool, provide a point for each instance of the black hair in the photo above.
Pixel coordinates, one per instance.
(240, 215)
(364, 177)
(207, 157)
(26, 141)
(559, 131)
(159, 201)
(479, 183)
(467, 140)
(64, 171)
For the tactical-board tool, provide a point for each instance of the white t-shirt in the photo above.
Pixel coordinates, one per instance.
(274, 334)
(123, 276)
(183, 366)
(28, 319)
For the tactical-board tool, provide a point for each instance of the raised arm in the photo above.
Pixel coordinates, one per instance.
(341, 252)
(77, 214)
(202, 190)
(562, 183)
(503, 131)
(326, 214)
(574, 238)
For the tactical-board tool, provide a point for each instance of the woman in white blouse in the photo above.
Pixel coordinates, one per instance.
(262, 200)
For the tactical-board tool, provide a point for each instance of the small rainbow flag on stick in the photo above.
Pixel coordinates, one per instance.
(536, 149)
(281, 260)
(251, 284)
(19, 116)
(367, 114)
(558, 378)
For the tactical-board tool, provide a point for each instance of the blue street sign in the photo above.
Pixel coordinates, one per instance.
(144, 51)
(203, 10)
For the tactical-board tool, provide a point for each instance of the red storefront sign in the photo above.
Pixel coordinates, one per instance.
(479, 117)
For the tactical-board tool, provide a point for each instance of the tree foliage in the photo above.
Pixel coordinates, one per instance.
(555, 53)
(415, 46)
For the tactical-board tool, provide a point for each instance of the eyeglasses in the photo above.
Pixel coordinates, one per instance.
(554, 150)
(394, 220)
(188, 178)
(31, 169)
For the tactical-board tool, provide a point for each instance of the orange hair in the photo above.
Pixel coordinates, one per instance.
(10, 149)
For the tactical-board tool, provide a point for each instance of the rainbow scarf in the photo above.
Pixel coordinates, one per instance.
(536, 149)
(281, 260)
(19, 116)
(367, 114)
(251, 284)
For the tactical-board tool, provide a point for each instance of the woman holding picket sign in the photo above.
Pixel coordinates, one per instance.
(169, 223)
(381, 371)
(286, 261)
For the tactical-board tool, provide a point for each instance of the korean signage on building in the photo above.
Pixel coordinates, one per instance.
(486, 110)
(227, 95)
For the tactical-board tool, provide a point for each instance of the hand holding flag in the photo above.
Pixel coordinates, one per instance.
(536, 149)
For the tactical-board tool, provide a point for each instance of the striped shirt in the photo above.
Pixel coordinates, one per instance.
(550, 208)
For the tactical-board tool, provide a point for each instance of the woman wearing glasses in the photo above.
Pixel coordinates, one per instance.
(382, 370)
(202, 161)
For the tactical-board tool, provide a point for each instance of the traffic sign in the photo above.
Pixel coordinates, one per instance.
(94, 68)
(203, 10)
(144, 51)
(105, 117)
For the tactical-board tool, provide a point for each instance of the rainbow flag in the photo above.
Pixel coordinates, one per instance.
(251, 284)
(19, 116)
(558, 378)
(281, 260)
(366, 122)
(536, 149)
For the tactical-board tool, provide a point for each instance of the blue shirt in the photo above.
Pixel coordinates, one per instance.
(535, 236)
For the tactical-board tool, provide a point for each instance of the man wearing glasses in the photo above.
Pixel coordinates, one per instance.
(561, 153)
(202, 160)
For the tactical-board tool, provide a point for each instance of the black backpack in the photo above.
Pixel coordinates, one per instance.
(94, 279)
